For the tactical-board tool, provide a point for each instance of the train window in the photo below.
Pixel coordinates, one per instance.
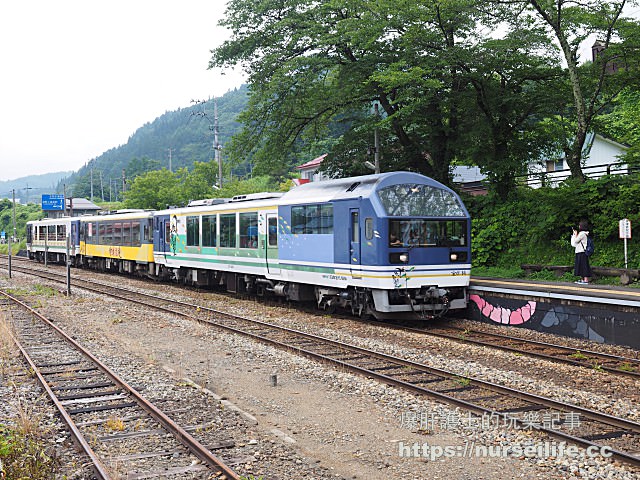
(61, 233)
(414, 200)
(146, 233)
(355, 227)
(51, 233)
(429, 233)
(209, 230)
(135, 234)
(368, 228)
(108, 234)
(167, 233)
(228, 230)
(193, 231)
(249, 230)
(126, 233)
(273, 232)
(102, 230)
(117, 233)
(312, 219)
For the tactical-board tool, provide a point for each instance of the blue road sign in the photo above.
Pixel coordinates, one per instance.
(3, 235)
(53, 202)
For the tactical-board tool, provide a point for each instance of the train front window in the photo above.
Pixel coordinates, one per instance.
(428, 233)
(415, 200)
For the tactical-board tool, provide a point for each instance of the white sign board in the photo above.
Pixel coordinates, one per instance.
(625, 228)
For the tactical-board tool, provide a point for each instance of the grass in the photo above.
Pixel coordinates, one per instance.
(463, 381)
(578, 355)
(24, 448)
(114, 424)
(626, 367)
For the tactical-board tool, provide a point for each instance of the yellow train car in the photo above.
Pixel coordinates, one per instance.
(121, 241)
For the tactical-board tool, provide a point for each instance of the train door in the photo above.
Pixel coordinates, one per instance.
(273, 267)
(162, 236)
(354, 238)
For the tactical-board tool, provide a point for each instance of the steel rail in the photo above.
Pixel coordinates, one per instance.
(99, 468)
(182, 435)
(561, 357)
(606, 419)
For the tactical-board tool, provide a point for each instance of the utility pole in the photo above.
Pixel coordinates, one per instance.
(376, 143)
(124, 182)
(15, 232)
(101, 187)
(216, 144)
(92, 184)
(170, 159)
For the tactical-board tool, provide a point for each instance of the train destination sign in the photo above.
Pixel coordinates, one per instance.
(53, 202)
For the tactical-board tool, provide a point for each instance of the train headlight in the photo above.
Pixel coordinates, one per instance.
(453, 257)
(404, 257)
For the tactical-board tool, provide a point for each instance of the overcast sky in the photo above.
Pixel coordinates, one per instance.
(79, 77)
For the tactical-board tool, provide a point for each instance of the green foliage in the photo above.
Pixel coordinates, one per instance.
(24, 456)
(23, 214)
(188, 132)
(535, 225)
(162, 188)
(316, 70)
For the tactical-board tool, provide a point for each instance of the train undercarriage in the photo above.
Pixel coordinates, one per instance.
(424, 303)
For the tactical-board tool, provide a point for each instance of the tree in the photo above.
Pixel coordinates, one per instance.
(516, 81)
(623, 124)
(156, 190)
(595, 85)
(315, 64)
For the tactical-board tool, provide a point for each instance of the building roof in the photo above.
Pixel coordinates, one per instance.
(81, 204)
(312, 163)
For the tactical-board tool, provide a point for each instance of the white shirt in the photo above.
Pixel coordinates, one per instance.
(579, 241)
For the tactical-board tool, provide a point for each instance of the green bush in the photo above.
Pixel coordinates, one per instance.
(534, 225)
(24, 456)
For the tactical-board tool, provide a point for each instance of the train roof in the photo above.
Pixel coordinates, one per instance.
(353, 187)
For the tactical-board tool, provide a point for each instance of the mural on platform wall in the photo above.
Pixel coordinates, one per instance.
(596, 324)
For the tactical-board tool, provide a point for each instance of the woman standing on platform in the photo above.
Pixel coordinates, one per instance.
(579, 241)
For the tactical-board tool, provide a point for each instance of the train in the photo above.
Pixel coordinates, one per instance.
(390, 245)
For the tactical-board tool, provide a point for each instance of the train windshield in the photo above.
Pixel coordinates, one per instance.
(415, 200)
(427, 233)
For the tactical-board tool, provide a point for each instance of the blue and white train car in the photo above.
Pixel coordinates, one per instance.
(387, 244)
(48, 237)
(390, 245)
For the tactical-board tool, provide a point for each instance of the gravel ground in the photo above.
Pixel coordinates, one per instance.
(319, 422)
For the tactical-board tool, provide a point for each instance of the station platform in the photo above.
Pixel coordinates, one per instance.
(602, 313)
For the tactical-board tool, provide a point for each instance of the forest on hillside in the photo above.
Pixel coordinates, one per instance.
(174, 140)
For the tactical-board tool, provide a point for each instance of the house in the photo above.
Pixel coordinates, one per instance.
(309, 171)
(75, 207)
(600, 156)
(470, 180)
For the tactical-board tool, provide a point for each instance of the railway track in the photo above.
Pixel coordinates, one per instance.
(549, 351)
(123, 433)
(618, 437)
(620, 365)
